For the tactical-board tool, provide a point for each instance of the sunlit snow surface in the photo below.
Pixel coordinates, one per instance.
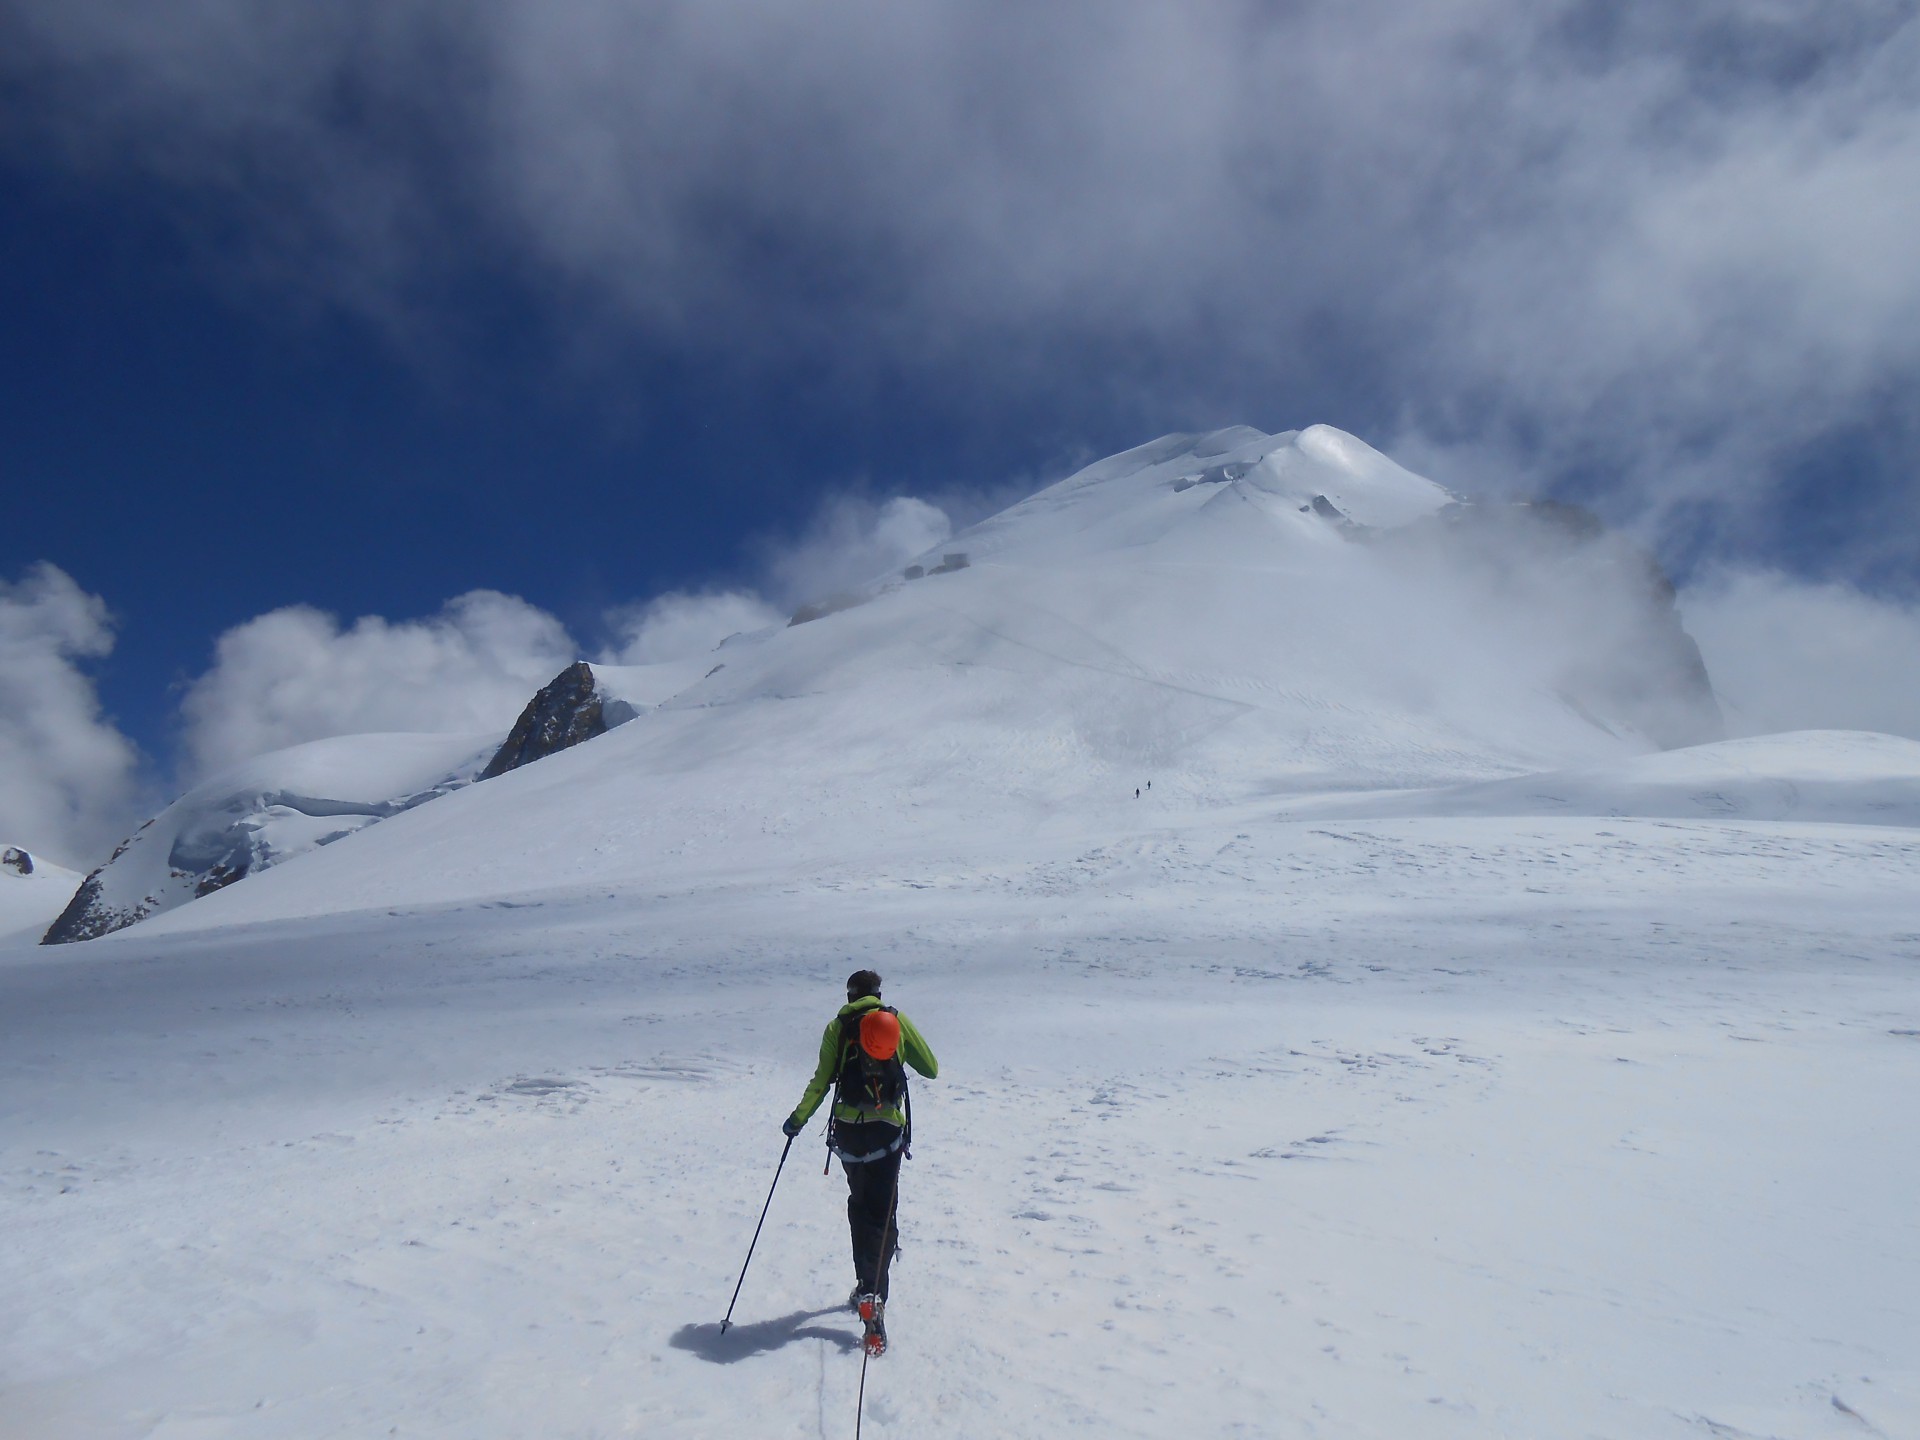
(1411, 1060)
(28, 903)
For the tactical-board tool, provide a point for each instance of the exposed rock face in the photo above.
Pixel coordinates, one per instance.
(820, 609)
(1325, 509)
(85, 917)
(569, 708)
(16, 860)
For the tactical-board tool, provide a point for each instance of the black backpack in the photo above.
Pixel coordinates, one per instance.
(864, 1082)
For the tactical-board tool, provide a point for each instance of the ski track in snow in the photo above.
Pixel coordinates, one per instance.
(1401, 1128)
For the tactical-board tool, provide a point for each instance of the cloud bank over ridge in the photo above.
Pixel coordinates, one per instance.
(1784, 654)
(72, 784)
(297, 674)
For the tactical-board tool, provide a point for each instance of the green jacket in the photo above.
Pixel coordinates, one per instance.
(914, 1050)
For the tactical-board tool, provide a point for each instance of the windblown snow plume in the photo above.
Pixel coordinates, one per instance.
(681, 624)
(1788, 655)
(851, 541)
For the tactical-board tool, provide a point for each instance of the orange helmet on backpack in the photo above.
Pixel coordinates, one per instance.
(880, 1034)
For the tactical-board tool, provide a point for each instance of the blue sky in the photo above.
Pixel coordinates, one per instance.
(199, 457)
(366, 306)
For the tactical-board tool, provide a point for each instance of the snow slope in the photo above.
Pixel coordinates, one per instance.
(634, 689)
(1846, 777)
(1418, 1056)
(28, 903)
(1173, 614)
(1411, 1128)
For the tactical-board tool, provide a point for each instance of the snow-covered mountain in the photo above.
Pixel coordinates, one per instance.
(32, 891)
(1231, 617)
(1352, 1022)
(260, 814)
(281, 805)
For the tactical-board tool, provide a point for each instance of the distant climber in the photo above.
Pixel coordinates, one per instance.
(870, 1129)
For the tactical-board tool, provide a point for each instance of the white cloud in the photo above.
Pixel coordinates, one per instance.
(679, 624)
(850, 541)
(67, 776)
(296, 674)
(1666, 243)
(1786, 654)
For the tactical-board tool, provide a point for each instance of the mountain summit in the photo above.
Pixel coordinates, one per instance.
(1234, 616)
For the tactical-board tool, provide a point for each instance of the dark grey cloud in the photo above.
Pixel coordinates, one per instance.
(1664, 248)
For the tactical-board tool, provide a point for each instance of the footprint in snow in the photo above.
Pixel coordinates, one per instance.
(540, 1087)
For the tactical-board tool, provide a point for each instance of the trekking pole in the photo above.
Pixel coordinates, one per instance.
(756, 1236)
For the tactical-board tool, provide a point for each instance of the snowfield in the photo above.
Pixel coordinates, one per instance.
(28, 903)
(1410, 1127)
(1420, 1055)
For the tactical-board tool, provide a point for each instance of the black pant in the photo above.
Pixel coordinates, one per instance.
(873, 1202)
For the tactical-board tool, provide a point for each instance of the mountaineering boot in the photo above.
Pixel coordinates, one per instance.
(853, 1299)
(873, 1315)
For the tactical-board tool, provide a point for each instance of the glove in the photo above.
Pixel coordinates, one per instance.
(792, 1126)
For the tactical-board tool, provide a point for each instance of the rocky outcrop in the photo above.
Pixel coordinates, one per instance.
(16, 860)
(568, 709)
(820, 609)
(85, 918)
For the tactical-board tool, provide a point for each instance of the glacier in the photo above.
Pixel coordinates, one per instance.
(1371, 1000)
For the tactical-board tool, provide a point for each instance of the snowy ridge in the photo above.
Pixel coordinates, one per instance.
(261, 814)
(632, 690)
(1189, 493)
(1222, 638)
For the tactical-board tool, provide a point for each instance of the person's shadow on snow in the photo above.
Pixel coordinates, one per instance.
(741, 1342)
